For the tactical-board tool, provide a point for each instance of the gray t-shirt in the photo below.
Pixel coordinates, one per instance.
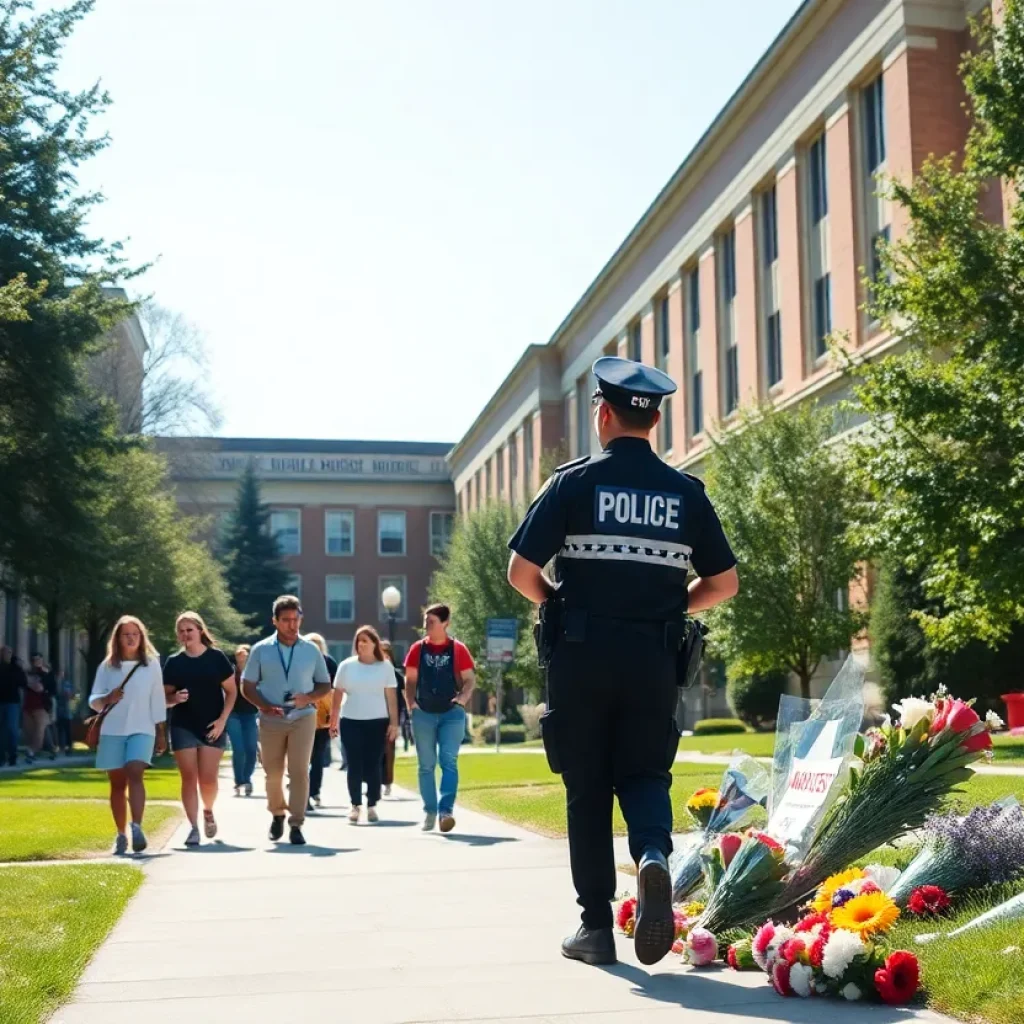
(281, 671)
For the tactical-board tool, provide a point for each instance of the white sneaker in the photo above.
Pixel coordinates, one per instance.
(387, 791)
(371, 815)
(353, 815)
(429, 821)
(139, 842)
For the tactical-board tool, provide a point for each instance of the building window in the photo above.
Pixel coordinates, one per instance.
(583, 393)
(635, 342)
(341, 598)
(487, 478)
(285, 527)
(441, 526)
(499, 459)
(875, 206)
(769, 269)
(727, 328)
(695, 396)
(339, 650)
(339, 533)
(399, 583)
(513, 469)
(294, 585)
(661, 330)
(818, 246)
(528, 456)
(665, 426)
(391, 531)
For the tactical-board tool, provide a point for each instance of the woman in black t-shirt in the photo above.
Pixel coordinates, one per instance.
(200, 685)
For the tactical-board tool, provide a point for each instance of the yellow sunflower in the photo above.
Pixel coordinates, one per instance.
(702, 805)
(866, 914)
(822, 901)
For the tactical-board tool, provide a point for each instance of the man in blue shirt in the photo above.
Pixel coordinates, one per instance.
(284, 677)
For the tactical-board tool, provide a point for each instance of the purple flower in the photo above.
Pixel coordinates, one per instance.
(988, 842)
(841, 896)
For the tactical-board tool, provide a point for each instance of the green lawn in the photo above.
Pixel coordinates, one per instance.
(162, 783)
(1008, 748)
(51, 922)
(65, 829)
(757, 744)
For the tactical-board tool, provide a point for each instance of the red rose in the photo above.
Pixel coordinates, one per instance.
(728, 845)
(811, 921)
(766, 840)
(982, 741)
(897, 981)
(941, 716)
(791, 949)
(730, 958)
(927, 899)
(961, 717)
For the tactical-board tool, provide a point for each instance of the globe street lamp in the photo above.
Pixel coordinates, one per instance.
(391, 598)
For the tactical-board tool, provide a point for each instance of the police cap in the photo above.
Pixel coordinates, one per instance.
(629, 385)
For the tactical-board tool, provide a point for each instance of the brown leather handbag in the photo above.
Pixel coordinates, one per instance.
(93, 724)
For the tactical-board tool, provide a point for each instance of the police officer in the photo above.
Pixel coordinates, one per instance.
(625, 530)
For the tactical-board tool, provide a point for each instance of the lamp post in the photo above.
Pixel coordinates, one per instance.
(391, 598)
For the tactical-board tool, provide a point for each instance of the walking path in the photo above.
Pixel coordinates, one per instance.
(385, 924)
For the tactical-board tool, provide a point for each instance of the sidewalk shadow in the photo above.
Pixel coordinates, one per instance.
(215, 846)
(700, 991)
(390, 824)
(471, 840)
(312, 850)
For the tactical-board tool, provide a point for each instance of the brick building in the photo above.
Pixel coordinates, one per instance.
(753, 252)
(352, 517)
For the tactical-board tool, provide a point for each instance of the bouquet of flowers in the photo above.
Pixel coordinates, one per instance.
(744, 787)
(1009, 910)
(906, 769)
(963, 851)
(839, 948)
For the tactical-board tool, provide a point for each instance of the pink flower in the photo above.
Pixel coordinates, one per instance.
(701, 947)
(728, 846)
(625, 917)
(941, 716)
(961, 716)
(982, 741)
(780, 978)
(762, 939)
(679, 947)
(792, 950)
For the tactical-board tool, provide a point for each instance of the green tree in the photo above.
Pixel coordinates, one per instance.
(472, 581)
(785, 499)
(944, 457)
(755, 699)
(256, 572)
(149, 562)
(910, 666)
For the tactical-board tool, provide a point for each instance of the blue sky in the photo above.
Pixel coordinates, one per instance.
(370, 208)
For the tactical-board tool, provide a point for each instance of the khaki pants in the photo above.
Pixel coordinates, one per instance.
(35, 729)
(282, 741)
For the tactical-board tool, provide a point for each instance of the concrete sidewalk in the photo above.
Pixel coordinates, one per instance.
(385, 924)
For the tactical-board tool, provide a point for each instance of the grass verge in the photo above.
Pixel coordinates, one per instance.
(52, 920)
(162, 783)
(65, 829)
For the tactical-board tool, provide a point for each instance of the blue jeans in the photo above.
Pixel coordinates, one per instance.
(242, 734)
(438, 738)
(10, 732)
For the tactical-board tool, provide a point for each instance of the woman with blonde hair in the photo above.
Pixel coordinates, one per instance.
(128, 692)
(322, 737)
(243, 730)
(200, 685)
(364, 713)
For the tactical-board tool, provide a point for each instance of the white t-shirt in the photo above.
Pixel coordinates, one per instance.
(364, 687)
(143, 704)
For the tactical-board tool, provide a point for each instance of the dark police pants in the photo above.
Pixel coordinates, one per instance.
(611, 700)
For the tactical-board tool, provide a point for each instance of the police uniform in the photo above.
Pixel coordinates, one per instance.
(625, 530)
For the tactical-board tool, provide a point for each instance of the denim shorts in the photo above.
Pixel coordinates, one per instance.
(116, 751)
(186, 739)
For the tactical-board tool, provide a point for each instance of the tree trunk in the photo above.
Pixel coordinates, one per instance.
(805, 684)
(53, 627)
(94, 652)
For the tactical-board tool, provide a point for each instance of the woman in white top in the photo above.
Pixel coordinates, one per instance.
(365, 699)
(129, 682)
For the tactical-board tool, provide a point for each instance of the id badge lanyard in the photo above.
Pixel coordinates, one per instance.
(291, 657)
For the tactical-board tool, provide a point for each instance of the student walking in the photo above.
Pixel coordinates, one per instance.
(403, 719)
(243, 731)
(365, 715)
(12, 682)
(322, 737)
(284, 677)
(128, 691)
(200, 685)
(65, 710)
(439, 680)
(40, 695)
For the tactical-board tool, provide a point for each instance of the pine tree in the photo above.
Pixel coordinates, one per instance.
(256, 572)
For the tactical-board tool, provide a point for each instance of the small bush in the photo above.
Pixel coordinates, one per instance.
(510, 733)
(530, 714)
(718, 726)
(755, 699)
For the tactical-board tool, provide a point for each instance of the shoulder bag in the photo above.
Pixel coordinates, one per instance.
(93, 724)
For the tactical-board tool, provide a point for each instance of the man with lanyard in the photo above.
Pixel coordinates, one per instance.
(284, 677)
(625, 530)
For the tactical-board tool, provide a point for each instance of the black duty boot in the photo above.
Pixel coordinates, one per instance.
(276, 828)
(655, 925)
(592, 946)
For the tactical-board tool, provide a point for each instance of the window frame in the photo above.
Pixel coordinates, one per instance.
(282, 509)
(430, 528)
(405, 531)
(691, 352)
(327, 596)
(728, 343)
(350, 513)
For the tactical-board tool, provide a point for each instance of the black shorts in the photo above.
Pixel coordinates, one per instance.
(183, 738)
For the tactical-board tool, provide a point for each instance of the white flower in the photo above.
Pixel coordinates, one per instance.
(993, 721)
(840, 951)
(886, 722)
(800, 976)
(884, 877)
(850, 992)
(912, 710)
